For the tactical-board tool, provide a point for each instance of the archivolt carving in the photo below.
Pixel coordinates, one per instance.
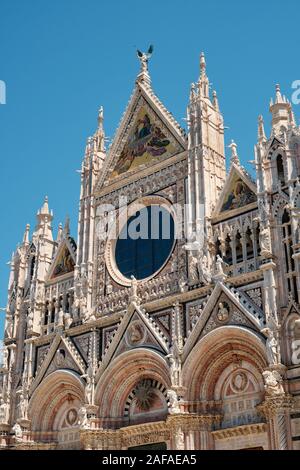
(124, 372)
(52, 392)
(205, 363)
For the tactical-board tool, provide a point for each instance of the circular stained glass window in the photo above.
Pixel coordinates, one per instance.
(145, 242)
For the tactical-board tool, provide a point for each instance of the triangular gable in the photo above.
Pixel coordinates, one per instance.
(136, 329)
(275, 143)
(64, 260)
(238, 191)
(280, 200)
(54, 360)
(292, 307)
(253, 315)
(148, 141)
(147, 134)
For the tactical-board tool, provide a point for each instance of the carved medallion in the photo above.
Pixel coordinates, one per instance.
(71, 417)
(135, 334)
(60, 357)
(223, 312)
(239, 382)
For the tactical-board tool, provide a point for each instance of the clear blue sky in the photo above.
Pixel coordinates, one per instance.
(62, 59)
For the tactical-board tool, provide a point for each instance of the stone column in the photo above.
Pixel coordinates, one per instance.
(233, 253)
(243, 241)
(178, 435)
(207, 425)
(277, 409)
(254, 244)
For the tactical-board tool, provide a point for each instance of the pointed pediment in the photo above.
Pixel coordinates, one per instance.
(136, 330)
(224, 307)
(64, 260)
(148, 142)
(148, 134)
(275, 143)
(238, 191)
(61, 354)
(292, 308)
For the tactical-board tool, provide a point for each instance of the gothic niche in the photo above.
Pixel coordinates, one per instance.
(147, 402)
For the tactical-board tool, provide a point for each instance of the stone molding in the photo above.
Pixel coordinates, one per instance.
(245, 430)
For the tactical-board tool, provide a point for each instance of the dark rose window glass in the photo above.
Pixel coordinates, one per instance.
(145, 242)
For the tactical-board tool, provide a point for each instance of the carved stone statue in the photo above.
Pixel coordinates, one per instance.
(67, 320)
(272, 347)
(3, 411)
(22, 407)
(12, 356)
(29, 319)
(80, 301)
(182, 283)
(40, 294)
(144, 57)
(5, 358)
(175, 369)
(219, 265)
(273, 383)
(9, 325)
(219, 274)
(204, 274)
(17, 430)
(60, 318)
(265, 241)
(87, 315)
(193, 269)
(89, 387)
(133, 289)
(173, 402)
(83, 421)
(88, 390)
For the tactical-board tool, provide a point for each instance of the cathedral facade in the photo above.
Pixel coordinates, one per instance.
(186, 338)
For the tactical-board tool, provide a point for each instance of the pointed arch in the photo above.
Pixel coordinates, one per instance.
(125, 371)
(58, 392)
(216, 351)
(280, 169)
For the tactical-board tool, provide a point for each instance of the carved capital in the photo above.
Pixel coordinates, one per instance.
(189, 422)
(272, 406)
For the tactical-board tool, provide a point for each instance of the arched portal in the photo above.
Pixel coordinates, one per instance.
(133, 389)
(54, 404)
(223, 375)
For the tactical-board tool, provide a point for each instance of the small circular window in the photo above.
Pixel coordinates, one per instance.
(145, 242)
